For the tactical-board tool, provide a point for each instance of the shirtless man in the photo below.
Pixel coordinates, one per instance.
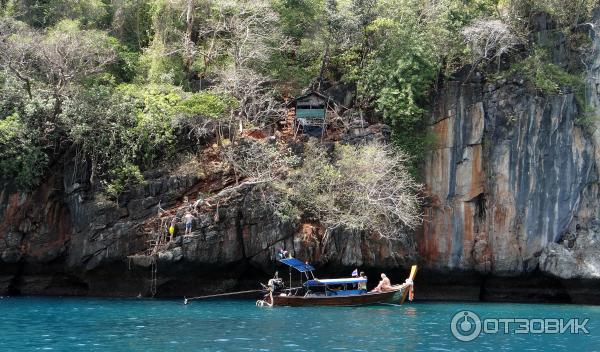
(188, 222)
(384, 284)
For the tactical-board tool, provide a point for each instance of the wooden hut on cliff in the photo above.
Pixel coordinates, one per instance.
(309, 112)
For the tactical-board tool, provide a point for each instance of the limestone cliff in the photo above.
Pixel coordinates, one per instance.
(512, 212)
(513, 179)
(506, 178)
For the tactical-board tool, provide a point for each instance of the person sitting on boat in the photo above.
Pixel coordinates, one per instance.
(384, 284)
(362, 286)
(282, 254)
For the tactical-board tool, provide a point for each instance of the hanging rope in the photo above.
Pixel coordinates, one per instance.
(153, 277)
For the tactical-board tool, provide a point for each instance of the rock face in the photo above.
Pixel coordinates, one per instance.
(54, 237)
(514, 173)
(62, 239)
(576, 257)
(506, 177)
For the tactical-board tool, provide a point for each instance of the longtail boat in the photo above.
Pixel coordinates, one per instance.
(330, 292)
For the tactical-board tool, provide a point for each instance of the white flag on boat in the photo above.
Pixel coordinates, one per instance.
(355, 272)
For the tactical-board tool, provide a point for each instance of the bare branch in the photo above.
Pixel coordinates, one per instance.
(489, 39)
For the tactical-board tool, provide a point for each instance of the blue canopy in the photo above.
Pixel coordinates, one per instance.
(323, 282)
(297, 264)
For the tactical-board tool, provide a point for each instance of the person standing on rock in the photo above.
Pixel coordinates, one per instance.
(172, 228)
(189, 218)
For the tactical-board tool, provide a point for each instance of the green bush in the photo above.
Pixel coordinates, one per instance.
(545, 76)
(157, 66)
(22, 162)
(207, 104)
(397, 81)
(123, 178)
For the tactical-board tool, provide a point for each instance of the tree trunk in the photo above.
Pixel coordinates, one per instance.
(473, 68)
(189, 43)
(323, 66)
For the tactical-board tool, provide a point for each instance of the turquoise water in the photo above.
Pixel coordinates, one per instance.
(85, 324)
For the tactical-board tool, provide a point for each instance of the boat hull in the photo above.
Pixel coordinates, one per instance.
(396, 296)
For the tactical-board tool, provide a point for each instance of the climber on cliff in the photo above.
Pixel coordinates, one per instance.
(189, 218)
(172, 228)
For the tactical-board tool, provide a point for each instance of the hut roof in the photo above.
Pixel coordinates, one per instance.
(308, 94)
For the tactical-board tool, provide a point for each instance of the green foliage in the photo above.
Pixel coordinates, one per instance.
(207, 104)
(154, 109)
(7, 8)
(125, 66)
(123, 178)
(46, 13)
(397, 80)
(137, 128)
(298, 69)
(310, 25)
(545, 76)
(157, 66)
(567, 12)
(298, 18)
(22, 162)
(315, 182)
(587, 118)
(11, 100)
(132, 23)
(110, 141)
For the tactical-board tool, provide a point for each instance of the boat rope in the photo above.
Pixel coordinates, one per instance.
(186, 300)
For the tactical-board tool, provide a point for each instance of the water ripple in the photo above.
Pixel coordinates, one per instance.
(63, 324)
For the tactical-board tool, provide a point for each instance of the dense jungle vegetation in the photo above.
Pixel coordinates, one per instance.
(124, 86)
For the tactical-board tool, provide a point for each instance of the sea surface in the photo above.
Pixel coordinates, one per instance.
(89, 324)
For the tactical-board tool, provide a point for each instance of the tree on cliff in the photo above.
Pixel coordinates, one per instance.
(56, 58)
(489, 39)
(366, 187)
(250, 35)
(256, 161)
